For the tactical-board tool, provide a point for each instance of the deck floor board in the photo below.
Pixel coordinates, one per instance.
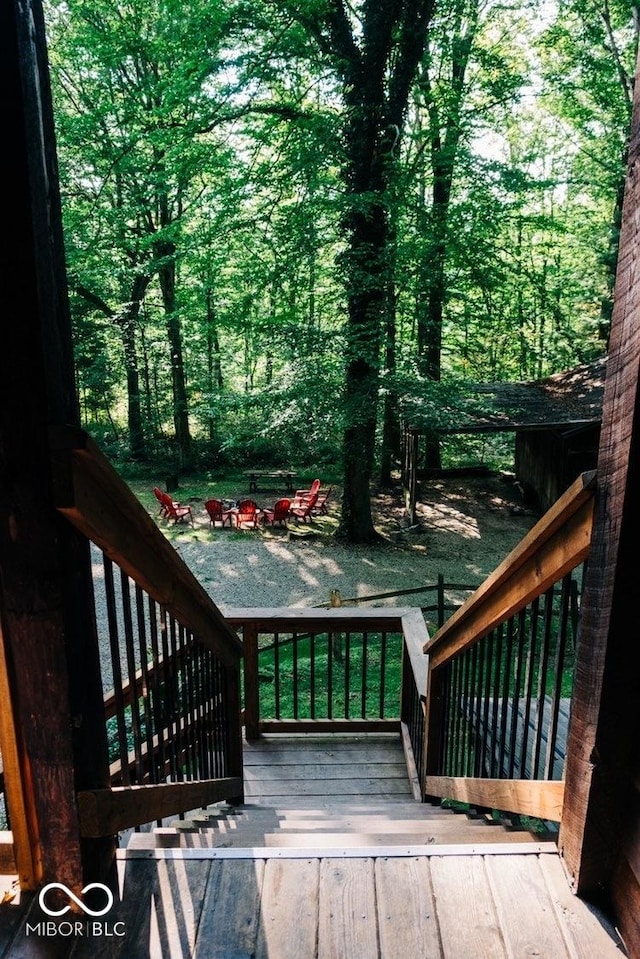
(460, 897)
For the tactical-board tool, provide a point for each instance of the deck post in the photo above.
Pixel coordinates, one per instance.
(251, 688)
(232, 699)
(600, 837)
(50, 658)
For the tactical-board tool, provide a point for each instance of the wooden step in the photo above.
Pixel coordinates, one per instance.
(319, 817)
(342, 825)
(456, 833)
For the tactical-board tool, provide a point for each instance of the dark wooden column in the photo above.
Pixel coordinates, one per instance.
(600, 833)
(50, 663)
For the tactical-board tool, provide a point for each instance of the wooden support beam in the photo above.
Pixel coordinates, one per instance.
(527, 797)
(600, 832)
(24, 851)
(51, 662)
(105, 812)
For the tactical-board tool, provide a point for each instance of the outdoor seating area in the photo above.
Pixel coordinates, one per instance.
(246, 514)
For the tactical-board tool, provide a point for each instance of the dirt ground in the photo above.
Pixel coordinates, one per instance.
(466, 527)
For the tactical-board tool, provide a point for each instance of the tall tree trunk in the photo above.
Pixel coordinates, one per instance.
(376, 65)
(167, 280)
(127, 320)
(214, 365)
(444, 134)
(127, 323)
(364, 265)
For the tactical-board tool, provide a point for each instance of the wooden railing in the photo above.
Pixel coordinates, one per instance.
(343, 669)
(501, 672)
(170, 663)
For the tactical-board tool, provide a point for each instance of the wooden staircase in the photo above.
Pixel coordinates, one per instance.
(328, 795)
(332, 856)
(342, 826)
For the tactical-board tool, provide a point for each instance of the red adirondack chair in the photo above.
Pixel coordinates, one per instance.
(304, 509)
(302, 494)
(217, 513)
(175, 511)
(245, 514)
(321, 503)
(279, 513)
(159, 495)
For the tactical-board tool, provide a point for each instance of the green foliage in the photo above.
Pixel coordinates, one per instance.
(211, 140)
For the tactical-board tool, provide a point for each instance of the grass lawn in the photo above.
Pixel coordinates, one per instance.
(340, 677)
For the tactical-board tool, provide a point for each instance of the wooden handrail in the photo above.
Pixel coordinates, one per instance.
(91, 494)
(555, 546)
(340, 618)
(103, 812)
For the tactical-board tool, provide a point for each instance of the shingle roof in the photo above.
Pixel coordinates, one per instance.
(568, 399)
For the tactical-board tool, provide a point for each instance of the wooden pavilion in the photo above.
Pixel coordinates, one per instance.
(83, 766)
(555, 421)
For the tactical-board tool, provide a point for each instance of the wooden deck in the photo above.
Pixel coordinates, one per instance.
(364, 872)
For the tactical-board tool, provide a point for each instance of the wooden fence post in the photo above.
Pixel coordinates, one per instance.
(251, 688)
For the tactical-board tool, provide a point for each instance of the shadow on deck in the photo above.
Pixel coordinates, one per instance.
(330, 856)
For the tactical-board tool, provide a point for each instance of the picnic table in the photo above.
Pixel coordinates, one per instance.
(287, 476)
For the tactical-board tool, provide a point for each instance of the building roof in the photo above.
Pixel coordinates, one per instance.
(564, 400)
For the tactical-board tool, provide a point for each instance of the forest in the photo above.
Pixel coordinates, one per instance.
(284, 216)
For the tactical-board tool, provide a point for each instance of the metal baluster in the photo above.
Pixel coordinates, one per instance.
(156, 692)
(506, 696)
(188, 681)
(312, 675)
(150, 774)
(478, 706)
(216, 724)
(534, 619)
(471, 710)
(486, 760)
(561, 646)
(542, 682)
(455, 708)
(169, 706)
(347, 673)
(496, 747)
(114, 645)
(276, 672)
(517, 681)
(383, 672)
(295, 674)
(134, 710)
(363, 711)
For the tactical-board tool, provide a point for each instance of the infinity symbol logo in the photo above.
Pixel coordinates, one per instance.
(78, 902)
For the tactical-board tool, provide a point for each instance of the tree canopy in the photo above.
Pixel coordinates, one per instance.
(278, 213)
